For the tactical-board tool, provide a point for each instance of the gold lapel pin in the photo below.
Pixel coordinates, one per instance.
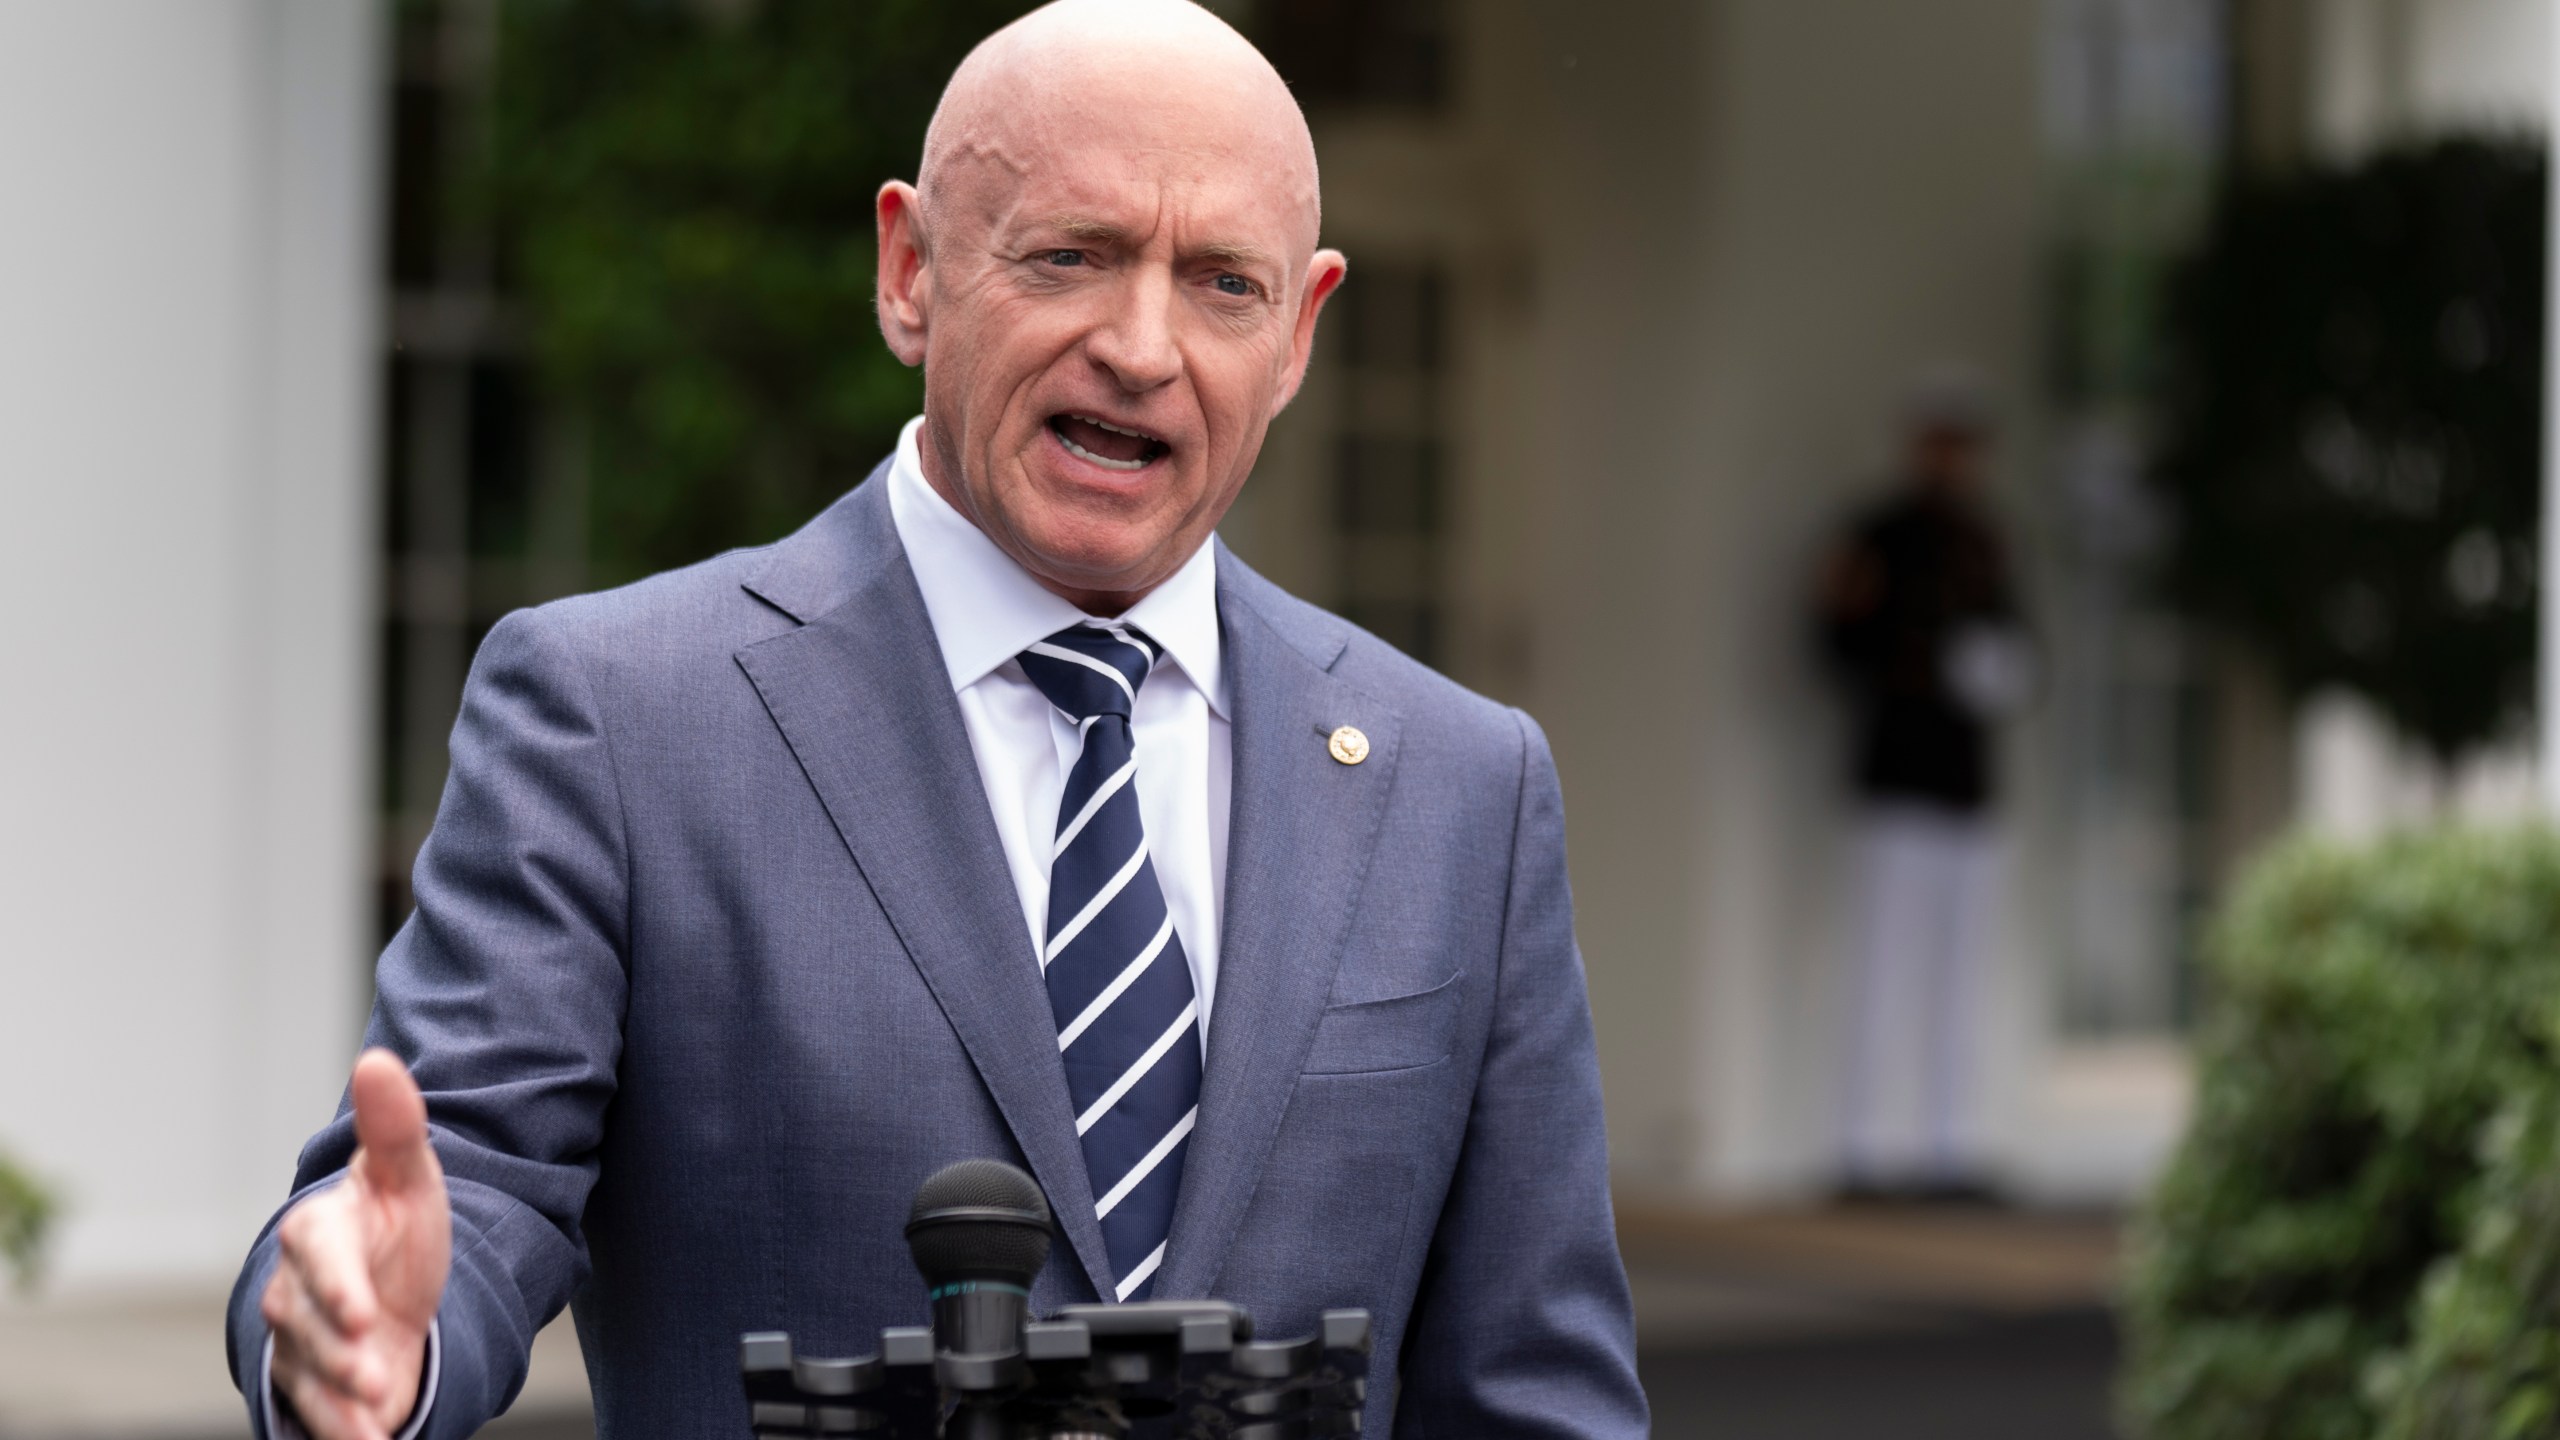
(1348, 745)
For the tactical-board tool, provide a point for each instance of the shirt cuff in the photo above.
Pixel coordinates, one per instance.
(283, 1424)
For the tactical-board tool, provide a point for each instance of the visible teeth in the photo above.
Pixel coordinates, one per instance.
(1114, 429)
(1105, 461)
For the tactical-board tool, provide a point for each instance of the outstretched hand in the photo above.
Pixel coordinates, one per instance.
(363, 1267)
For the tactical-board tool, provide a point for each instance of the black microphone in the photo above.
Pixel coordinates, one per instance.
(979, 1231)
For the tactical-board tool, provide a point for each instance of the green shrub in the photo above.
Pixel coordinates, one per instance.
(2370, 1012)
(26, 1220)
(2484, 1362)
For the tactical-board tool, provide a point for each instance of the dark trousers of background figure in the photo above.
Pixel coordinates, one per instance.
(1927, 892)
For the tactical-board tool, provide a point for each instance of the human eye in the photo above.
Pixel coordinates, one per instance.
(1230, 283)
(1063, 259)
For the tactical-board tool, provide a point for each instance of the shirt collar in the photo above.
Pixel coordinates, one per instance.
(986, 609)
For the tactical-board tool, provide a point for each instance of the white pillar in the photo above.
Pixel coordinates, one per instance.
(187, 372)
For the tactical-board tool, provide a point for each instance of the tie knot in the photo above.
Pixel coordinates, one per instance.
(1089, 670)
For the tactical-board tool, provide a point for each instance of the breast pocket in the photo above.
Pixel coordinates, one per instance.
(1401, 1032)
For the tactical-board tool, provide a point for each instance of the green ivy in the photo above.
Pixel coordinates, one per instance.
(683, 199)
(2371, 1012)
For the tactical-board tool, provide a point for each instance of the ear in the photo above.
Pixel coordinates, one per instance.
(904, 295)
(1324, 275)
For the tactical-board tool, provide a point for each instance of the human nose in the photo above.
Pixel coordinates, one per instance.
(1136, 342)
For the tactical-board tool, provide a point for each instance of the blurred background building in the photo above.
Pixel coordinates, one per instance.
(1638, 291)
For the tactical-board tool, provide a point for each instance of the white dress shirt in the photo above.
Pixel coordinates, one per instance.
(986, 611)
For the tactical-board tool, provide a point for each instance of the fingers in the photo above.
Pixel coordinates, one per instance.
(326, 1412)
(309, 1345)
(319, 1306)
(326, 1254)
(391, 1126)
(348, 1322)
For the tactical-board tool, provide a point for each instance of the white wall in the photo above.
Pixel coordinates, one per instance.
(187, 376)
(2357, 778)
(1616, 579)
(1764, 218)
(1875, 177)
(2482, 63)
(2383, 68)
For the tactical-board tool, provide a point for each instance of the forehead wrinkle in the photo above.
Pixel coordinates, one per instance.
(1005, 184)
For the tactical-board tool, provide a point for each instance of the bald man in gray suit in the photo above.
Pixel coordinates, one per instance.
(999, 812)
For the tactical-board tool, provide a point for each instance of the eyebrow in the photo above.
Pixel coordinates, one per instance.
(1103, 232)
(1242, 257)
(1078, 227)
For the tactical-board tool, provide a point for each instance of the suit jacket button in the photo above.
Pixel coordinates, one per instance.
(1348, 745)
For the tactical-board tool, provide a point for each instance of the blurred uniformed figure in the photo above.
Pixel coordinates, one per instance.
(1919, 623)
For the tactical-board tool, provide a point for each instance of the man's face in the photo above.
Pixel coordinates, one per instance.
(1110, 308)
(1947, 459)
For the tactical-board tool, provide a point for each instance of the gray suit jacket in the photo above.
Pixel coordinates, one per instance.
(716, 956)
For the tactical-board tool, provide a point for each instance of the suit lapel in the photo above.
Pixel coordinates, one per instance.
(860, 694)
(1300, 832)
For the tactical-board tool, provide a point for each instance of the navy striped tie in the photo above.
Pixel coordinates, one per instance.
(1119, 984)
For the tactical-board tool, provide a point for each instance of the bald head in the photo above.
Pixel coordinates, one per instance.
(1077, 72)
(1108, 270)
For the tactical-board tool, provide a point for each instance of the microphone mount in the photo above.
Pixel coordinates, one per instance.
(985, 1370)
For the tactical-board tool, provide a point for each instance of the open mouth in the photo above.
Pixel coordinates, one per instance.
(1113, 447)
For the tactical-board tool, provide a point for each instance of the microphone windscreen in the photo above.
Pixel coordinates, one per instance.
(979, 1218)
